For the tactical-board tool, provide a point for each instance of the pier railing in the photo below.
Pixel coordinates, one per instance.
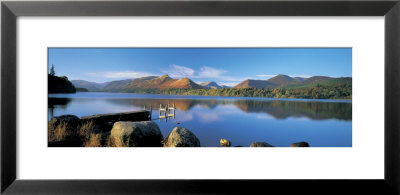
(165, 112)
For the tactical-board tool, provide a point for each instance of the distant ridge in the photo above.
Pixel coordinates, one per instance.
(91, 86)
(211, 85)
(316, 79)
(166, 82)
(255, 84)
(281, 81)
(152, 82)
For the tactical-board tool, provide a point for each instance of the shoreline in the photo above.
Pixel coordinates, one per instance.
(205, 97)
(127, 129)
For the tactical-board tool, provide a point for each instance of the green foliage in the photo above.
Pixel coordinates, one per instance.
(60, 85)
(319, 91)
(344, 81)
(338, 88)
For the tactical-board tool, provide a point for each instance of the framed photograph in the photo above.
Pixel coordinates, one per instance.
(199, 97)
(192, 102)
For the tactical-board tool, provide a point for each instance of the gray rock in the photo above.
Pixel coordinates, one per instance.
(136, 134)
(71, 121)
(260, 144)
(225, 143)
(300, 144)
(182, 137)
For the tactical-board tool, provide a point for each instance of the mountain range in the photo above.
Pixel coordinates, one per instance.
(281, 81)
(212, 85)
(166, 82)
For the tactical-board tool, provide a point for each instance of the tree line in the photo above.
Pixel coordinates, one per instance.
(343, 91)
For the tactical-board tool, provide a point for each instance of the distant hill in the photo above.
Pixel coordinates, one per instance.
(301, 79)
(119, 84)
(184, 83)
(284, 81)
(91, 86)
(152, 82)
(60, 85)
(165, 82)
(211, 85)
(260, 84)
(81, 89)
(334, 82)
(316, 79)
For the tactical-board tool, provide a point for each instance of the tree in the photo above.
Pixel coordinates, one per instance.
(52, 71)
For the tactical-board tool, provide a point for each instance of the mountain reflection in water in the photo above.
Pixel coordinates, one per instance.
(279, 109)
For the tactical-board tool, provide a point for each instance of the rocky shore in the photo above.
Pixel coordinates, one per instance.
(128, 129)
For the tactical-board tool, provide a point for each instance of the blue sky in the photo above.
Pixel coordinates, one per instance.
(228, 66)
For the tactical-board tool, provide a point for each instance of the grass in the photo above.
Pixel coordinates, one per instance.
(90, 138)
(57, 133)
(84, 134)
(94, 140)
(86, 129)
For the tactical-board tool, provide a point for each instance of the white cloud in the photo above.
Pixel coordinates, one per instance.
(208, 117)
(205, 72)
(229, 84)
(266, 75)
(267, 117)
(179, 71)
(120, 74)
(300, 75)
(209, 72)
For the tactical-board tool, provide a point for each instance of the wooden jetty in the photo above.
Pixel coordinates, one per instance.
(165, 112)
(122, 116)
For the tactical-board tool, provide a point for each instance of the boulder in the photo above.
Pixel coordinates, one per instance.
(224, 143)
(300, 144)
(71, 121)
(260, 144)
(136, 134)
(182, 137)
(105, 122)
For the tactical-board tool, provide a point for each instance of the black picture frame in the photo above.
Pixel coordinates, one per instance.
(10, 10)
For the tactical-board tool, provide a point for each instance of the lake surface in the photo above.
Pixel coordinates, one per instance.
(279, 122)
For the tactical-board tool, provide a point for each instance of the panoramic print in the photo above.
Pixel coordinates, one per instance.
(199, 97)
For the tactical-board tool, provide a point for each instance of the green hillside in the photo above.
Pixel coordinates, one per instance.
(338, 82)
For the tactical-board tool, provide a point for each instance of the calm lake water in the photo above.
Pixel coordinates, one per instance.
(280, 122)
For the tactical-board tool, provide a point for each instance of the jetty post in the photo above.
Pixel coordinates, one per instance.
(165, 112)
(173, 106)
(150, 111)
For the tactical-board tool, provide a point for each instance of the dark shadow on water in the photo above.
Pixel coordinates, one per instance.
(57, 103)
